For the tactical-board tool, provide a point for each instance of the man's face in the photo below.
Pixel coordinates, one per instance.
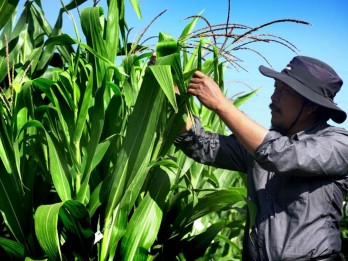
(285, 107)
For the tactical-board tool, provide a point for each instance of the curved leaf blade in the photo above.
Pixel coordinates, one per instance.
(142, 230)
(46, 229)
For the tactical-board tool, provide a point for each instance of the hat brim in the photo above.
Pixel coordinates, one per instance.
(336, 114)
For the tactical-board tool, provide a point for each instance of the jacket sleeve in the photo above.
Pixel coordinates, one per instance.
(321, 154)
(213, 149)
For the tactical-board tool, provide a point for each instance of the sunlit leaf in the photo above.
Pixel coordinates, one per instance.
(7, 7)
(46, 229)
(242, 99)
(163, 76)
(136, 7)
(142, 230)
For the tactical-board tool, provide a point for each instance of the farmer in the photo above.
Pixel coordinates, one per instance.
(297, 171)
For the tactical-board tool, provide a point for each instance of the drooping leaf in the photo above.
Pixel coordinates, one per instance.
(163, 76)
(242, 99)
(76, 229)
(13, 249)
(63, 39)
(46, 229)
(218, 200)
(142, 230)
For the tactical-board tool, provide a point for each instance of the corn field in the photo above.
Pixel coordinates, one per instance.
(88, 169)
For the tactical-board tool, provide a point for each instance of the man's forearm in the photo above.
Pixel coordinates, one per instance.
(248, 132)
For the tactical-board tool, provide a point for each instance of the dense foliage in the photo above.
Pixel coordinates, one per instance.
(88, 169)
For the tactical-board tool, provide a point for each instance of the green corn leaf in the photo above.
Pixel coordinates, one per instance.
(65, 91)
(136, 7)
(75, 223)
(83, 110)
(121, 214)
(252, 209)
(195, 61)
(73, 4)
(11, 206)
(42, 23)
(189, 27)
(57, 163)
(199, 56)
(162, 179)
(93, 30)
(78, 234)
(31, 124)
(20, 112)
(218, 200)
(58, 170)
(95, 200)
(60, 107)
(142, 230)
(15, 44)
(166, 45)
(7, 29)
(242, 99)
(62, 39)
(140, 131)
(112, 29)
(163, 76)
(195, 246)
(4, 157)
(139, 137)
(208, 67)
(221, 76)
(118, 69)
(101, 150)
(7, 7)
(216, 64)
(44, 84)
(46, 229)
(97, 123)
(13, 249)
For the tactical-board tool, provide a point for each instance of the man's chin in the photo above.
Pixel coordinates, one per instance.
(277, 128)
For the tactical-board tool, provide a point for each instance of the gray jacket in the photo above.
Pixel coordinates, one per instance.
(297, 183)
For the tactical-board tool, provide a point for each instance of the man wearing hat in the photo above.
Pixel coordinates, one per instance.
(297, 171)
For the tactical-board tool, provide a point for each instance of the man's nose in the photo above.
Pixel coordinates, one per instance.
(275, 95)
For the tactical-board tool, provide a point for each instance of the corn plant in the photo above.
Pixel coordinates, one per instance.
(88, 166)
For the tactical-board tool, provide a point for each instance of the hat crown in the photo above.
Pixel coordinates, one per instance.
(316, 75)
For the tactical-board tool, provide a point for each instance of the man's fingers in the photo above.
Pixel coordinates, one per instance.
(198, 74)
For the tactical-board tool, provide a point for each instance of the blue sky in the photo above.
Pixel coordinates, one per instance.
(326, 39)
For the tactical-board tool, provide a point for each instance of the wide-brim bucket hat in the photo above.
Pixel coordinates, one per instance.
(314, 80)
